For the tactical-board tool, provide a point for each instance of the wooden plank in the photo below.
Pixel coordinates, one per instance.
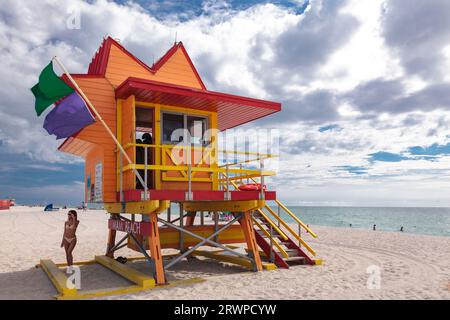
(57, 277)
(224, 257)
(96, 293)
(232, 206)
(130, 274)
(138, 207)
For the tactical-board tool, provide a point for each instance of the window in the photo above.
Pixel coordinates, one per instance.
(172, 123)
(177, 128)
(144, 125)
(196, 127)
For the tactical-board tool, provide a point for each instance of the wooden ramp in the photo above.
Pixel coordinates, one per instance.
(66, 291)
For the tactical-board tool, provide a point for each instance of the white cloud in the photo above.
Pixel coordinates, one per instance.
(238, 52)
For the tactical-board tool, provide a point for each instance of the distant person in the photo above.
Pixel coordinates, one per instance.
(350, 225)
(374, 227)
(401, 229)
(69, 240)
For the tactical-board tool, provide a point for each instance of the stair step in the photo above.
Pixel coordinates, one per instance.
(292, 253)
(298, 260)
(274, 235)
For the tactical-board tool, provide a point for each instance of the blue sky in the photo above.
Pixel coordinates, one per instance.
(189, 9)
(364, 87)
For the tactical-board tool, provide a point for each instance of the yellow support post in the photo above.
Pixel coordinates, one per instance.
(157, 141)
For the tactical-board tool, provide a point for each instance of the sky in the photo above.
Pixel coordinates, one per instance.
(364, 87)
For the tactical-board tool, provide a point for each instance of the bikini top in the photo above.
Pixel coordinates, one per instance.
(73, 226)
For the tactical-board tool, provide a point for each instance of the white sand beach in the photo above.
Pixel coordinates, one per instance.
(411, 266)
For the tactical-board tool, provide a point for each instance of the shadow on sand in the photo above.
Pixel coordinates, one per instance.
(34, 283)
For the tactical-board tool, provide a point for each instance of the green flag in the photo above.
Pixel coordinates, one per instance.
(49, 89)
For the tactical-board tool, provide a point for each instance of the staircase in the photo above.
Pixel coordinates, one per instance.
(277, 245)
(279, 242)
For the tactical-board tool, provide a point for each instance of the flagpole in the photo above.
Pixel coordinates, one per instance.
(99, 117)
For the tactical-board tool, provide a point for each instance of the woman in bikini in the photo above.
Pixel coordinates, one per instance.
(69, 238)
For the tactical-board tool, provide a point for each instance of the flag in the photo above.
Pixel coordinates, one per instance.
(49, 89)
(70, 114)
(68, 117)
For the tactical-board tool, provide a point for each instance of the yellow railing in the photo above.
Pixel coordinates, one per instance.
(190, 163)
(276, 244)
(301, 223)
(293, 216)
(282, 222)
(248, 173)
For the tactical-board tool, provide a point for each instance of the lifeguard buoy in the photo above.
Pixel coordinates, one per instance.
(252, 187)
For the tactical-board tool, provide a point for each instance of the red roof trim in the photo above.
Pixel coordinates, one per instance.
(156, 66)
(138, 83)
(192, 65)
(244, 123)
(69, 139)
(161, 61)
(100, 61)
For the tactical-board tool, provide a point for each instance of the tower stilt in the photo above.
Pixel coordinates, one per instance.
(249, 233)
(155, 249)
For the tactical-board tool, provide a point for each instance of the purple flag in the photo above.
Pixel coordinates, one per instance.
(68, 117)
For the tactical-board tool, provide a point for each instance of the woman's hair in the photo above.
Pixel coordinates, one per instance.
(74, 213)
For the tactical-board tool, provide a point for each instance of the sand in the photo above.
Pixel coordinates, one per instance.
(410, 266)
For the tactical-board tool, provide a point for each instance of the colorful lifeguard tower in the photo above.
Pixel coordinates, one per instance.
(164, 117)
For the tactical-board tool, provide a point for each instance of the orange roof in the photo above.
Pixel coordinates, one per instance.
(100, 60)
(116, 73)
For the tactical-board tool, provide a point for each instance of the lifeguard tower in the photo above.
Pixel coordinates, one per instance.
(168, 122)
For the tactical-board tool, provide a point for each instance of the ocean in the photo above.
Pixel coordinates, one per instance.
(429, 221)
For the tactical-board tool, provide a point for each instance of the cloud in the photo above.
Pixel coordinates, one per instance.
(372, 69)
(418, 31)
(396, 99)
(303, 48)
